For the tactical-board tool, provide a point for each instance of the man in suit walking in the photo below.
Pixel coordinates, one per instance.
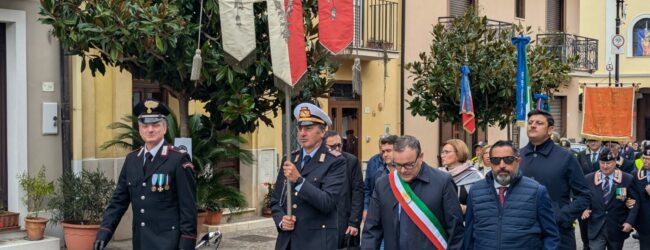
(350, 207)
(414, 207)
(609, 220)
(317, 175)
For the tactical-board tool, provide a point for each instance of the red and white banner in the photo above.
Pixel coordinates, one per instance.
(335, 24)
(287, 36)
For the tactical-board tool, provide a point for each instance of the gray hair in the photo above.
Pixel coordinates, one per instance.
(409, 141)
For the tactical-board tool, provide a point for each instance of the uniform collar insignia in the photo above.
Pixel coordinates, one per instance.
(164, 151)
(141, 150)
(641, 174)
(322, 157)
(598, 177)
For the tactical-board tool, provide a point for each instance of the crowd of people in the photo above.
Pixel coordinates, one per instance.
(504, 197)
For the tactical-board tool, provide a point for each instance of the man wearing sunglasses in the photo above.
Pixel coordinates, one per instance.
(559, 171)
(509, 210)
(350, 206)
(414, 207)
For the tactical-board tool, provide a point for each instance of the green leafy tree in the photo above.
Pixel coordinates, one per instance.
(158, 39)
(492, 59)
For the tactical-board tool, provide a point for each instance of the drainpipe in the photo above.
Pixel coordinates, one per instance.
(401, 75)
(66, 138)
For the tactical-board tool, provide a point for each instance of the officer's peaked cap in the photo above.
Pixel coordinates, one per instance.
(309, 114)
(150, 111)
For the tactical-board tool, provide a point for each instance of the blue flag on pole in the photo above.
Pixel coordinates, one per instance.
(522, 79)
(466, 104)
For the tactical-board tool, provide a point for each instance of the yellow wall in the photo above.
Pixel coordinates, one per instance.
(505, 11)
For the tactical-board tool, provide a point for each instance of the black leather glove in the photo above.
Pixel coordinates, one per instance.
(99, 245)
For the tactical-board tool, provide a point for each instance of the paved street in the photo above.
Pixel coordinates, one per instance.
(264, 239)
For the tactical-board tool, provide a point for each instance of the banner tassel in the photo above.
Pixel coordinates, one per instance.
(197, 61)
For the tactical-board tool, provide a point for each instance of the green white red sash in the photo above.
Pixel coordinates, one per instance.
(419, 213)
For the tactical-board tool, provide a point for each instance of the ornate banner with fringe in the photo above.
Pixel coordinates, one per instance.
(335, 24)
(238, 31)
(608, 113)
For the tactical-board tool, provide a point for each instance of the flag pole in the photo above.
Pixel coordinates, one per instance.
(287, 138)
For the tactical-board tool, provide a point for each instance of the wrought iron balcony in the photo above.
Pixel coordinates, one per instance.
(567, 46)
(376, 30)
(491, 23)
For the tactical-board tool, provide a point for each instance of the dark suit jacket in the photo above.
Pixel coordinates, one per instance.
(436, 189)
(610, 218)
(584, 158)
(643, 202)
(350, 207)
(314, 205)
(161, 219)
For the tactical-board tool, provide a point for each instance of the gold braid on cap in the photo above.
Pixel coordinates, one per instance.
(150, 105)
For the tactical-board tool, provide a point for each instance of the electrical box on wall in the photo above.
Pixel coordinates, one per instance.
(50, 118)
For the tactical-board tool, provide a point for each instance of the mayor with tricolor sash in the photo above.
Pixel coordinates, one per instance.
(414, 206)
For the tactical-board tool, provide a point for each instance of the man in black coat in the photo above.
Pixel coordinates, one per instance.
(558, 170)
(158, 181)
(588, 160)
(642, 187)
(401, 199)
(317, 176)
(609, 220)
(350, 207)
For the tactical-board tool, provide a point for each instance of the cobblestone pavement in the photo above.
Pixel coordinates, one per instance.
(264, 239)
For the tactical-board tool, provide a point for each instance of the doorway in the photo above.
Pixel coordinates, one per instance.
(344, 109)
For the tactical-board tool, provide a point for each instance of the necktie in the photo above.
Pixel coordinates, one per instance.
(148, 159)
(305, 160)
(607, 192)
(593, 157)
(502, 195)
(403, 233)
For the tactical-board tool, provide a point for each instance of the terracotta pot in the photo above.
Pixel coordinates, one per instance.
(214, 217)
(35, 227)
(266, 212)
(200, 218)
(79, 237)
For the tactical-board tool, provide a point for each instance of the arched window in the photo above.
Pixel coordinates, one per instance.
(641, 37)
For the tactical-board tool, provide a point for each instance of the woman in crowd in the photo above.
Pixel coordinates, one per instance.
(483, 165)
(455, 156)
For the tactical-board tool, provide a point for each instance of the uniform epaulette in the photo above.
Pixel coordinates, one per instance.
(335, 153)
(177, 149)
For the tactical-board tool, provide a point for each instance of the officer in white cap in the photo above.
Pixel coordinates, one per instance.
(317, 175)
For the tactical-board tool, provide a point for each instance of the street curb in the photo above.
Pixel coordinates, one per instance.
(240, 226)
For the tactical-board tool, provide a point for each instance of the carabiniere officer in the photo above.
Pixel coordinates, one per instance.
(158, 181)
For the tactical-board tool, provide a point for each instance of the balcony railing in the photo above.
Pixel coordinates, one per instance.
(376, 25)
(491, 23)
(567, 46)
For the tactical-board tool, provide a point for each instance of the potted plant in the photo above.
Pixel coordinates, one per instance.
(214, 196)
(8, 220)
(266, 210)
(37, 191)
(78, 203)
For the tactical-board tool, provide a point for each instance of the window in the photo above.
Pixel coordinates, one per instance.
(641, 37)
(144, 88)
(520, 8)
(458, 7)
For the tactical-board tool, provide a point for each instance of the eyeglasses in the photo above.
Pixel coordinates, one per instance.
(333, 146)
(444, 152)
(506, 159)
(409, 165)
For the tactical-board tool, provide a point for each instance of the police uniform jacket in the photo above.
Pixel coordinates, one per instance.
(164, 218)
(314, 205)
(436, 189)
(642, 224)
(610, 218)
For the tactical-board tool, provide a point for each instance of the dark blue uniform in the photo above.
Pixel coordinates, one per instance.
(164, 213)
(314, 205)
(606, 220)
(642, 224)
